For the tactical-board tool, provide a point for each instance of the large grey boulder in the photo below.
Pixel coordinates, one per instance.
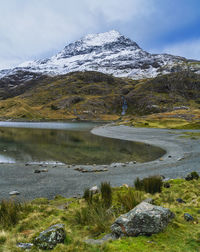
(49, 238)
(144, 219)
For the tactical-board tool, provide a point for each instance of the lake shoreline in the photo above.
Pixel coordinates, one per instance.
(182, 156)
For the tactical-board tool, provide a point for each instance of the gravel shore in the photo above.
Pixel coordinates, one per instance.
(182, 156)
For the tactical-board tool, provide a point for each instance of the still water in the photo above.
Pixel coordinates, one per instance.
(70, 143)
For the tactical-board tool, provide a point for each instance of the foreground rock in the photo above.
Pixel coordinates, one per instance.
(144, 219)
(49, 238)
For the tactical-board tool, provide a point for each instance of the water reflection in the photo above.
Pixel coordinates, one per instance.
(69, 145)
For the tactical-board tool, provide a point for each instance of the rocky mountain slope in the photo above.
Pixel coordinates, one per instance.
(98, 96)
(109, 53)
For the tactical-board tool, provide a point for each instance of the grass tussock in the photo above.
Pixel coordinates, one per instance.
(95, 216)
(106, 194)
(88, 196)
(130, 199)
(149, 185)
(10, 212)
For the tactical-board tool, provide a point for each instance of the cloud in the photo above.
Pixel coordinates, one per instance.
(121, 10)
(189, 49)
(35, 29)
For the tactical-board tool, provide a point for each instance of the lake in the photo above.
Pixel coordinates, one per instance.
(69, 143)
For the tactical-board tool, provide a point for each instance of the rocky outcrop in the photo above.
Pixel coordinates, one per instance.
(49, 238)
(144, 219)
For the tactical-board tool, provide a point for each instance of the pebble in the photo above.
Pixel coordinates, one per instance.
(13, 193)
(44, 170)
(179, 200)
(188, 217)
(37, 171)
(125, 185)
(166, 185)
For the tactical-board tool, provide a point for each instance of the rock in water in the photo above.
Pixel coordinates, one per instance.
(49, 238)
(144, 219)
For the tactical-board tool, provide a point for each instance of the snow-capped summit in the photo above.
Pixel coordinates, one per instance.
(108, 52)
(101, 38)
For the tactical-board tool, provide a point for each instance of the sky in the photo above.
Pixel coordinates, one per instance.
(36, 29)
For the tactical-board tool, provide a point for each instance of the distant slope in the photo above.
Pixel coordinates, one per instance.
(97, 96)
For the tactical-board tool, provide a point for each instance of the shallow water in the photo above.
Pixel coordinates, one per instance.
(70, 143)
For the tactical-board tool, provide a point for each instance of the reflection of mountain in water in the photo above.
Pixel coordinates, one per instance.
(78, 147)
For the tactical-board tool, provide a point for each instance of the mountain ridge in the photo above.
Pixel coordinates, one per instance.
(109, 53)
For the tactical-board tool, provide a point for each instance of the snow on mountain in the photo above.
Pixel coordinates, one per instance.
(108, 52)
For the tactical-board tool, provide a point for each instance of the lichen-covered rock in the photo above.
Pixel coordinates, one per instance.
(49, 238)
(144, 219)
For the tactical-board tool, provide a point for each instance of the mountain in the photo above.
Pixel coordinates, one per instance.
(110, 53)
(97, 96)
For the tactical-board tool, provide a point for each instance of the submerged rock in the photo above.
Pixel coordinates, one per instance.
(49, 238)
(144, 219)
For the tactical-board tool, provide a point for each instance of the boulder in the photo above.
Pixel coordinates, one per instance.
(144, 219)
(49, 238)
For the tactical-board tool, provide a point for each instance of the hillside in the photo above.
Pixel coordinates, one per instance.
(97, 96)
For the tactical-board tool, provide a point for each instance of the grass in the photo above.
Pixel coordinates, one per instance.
(11, 212)
(180, 235)
(129, 199)
(106, 194)
(149, 185)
